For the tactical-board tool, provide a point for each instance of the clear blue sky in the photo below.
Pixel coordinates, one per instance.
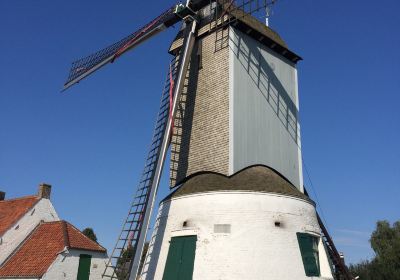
(90, 142)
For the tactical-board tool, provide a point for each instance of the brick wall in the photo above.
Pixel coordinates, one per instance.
(200, 141)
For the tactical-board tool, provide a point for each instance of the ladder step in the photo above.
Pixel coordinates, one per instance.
(123, 239)
(135, 213)
(136, 204)
(147, 172)
(163, 115)
(136, 210)
(145, 187)
(145, 180)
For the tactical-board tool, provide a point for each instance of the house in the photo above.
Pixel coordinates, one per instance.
(36, 244)
(20, 216)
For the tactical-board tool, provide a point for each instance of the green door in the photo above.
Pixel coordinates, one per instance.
(180, 260)
(84, 267)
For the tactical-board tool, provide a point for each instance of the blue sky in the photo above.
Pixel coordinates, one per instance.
(90, 142)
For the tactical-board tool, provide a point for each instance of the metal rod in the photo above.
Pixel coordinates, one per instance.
(184, 64)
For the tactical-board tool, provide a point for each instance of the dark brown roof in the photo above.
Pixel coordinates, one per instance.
(249, 25)
(260, 32)
(12, 210)
(41, 248)
(259, 26)
(258, 178)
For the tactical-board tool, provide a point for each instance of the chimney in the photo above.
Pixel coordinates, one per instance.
(44, 191)
(2, 196)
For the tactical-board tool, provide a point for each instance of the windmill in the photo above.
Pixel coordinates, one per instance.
(229, 114)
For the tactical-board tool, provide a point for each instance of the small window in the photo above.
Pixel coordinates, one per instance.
(309, 252)
(222, 228)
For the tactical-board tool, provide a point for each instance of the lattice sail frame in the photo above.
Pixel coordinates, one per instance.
(84, 66)
(120, 261)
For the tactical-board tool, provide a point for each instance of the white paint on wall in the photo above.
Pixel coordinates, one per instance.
(42, 211)
(66, 265)
(264, 107)
(253, 248)
(231, 110)
(300, 156)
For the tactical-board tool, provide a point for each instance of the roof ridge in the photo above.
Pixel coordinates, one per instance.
(65, 233)
(53, 222)
(20, 198)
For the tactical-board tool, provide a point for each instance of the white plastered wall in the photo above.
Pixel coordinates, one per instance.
(12, 238)
(255, 248)
(66, 265)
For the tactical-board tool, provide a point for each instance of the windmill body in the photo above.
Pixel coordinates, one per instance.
(230, 114)
(240, 108)
(238, 203)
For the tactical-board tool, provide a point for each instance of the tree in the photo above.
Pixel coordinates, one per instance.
(123, 263)
(385, 241)
(89, 232)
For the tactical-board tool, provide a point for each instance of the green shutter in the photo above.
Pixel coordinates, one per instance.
(180, 259)
(84, 267)
(309, 253)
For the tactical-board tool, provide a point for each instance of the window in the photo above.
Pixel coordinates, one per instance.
(309, 252)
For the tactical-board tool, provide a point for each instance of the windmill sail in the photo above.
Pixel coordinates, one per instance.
(124, 261)
(85, 66)
(121, 258)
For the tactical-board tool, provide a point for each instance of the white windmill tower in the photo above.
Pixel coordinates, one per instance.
(229, 112)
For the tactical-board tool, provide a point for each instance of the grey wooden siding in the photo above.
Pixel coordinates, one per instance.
(264, 109)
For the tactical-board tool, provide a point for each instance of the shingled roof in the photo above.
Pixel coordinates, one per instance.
(12, 210)
(257, 178)
(244, 22)
(41, 248)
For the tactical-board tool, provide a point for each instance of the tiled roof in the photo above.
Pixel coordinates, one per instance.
(12, 210)
(41, 248)
(77, 240)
